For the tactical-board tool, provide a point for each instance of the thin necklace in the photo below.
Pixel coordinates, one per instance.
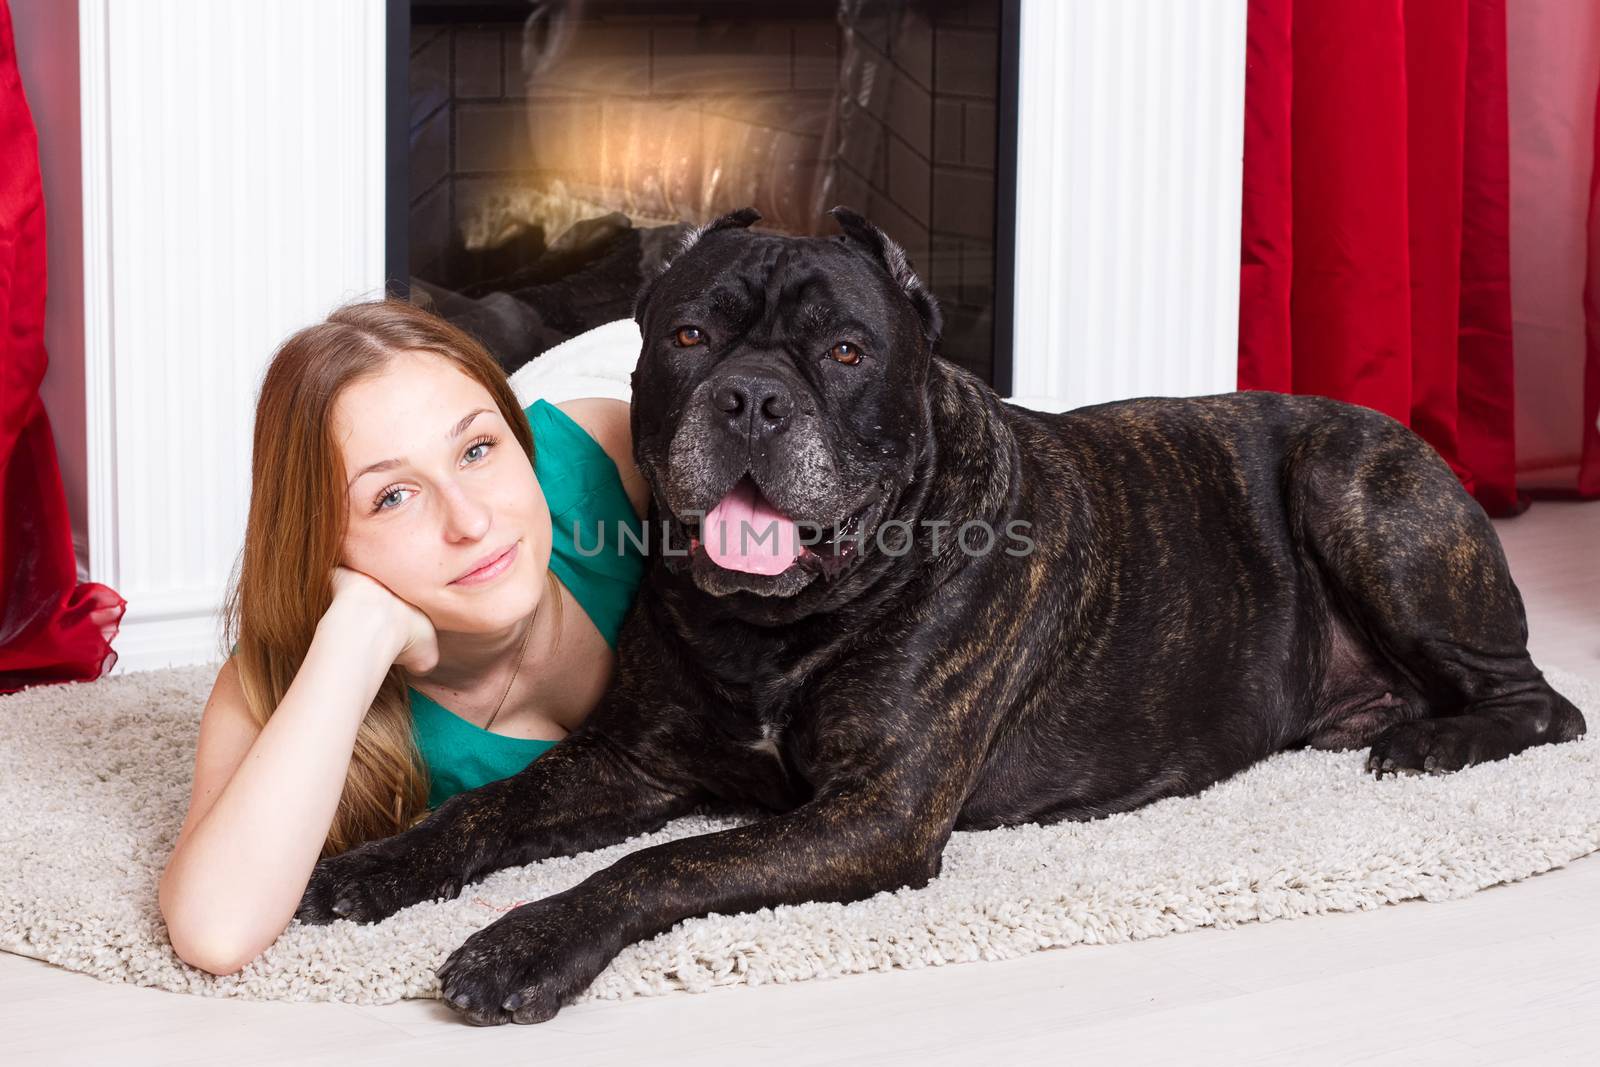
(520, 651)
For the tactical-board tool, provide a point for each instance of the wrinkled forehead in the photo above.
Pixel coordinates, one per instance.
(804, 285)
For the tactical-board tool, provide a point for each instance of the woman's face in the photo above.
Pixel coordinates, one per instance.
(451, 490)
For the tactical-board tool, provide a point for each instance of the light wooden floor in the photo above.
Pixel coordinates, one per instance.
(1510, 975)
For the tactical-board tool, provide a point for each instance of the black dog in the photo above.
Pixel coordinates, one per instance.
(1174, 589)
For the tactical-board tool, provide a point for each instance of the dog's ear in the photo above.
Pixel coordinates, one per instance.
(883, 248)
(644, 295)
(744, 217)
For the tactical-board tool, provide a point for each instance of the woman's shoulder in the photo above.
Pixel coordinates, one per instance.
(606, 422)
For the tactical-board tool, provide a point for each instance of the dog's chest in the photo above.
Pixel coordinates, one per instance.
(762, 763)
(768, 715)
(767, 743)
(770, 720)
(766, 697)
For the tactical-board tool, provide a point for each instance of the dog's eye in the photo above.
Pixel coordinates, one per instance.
(846, 353)
(689, 336)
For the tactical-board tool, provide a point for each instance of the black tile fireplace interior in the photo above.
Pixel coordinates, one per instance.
(546, 156)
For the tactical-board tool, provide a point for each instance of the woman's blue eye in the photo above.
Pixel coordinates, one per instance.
(390, 495)
(474, 448)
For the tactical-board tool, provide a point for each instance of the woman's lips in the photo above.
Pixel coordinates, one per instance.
(491, 570)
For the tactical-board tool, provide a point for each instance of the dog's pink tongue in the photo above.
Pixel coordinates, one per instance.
(745, 533)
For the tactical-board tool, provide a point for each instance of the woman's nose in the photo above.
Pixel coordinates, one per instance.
(465, 517)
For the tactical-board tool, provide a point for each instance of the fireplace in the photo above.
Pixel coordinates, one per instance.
(1129, 134)
(546, 156)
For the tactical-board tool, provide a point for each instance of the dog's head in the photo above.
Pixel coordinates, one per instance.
(779, 402)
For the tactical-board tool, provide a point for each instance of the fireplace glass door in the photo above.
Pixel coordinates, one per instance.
(554, 153)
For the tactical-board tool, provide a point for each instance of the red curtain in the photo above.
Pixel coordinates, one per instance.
(52, 629)
(1589, 466)
(1376, 231)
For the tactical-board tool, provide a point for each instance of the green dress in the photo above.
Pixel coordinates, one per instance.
(589, 554)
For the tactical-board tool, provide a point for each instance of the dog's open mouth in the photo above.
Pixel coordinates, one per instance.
(746, 532)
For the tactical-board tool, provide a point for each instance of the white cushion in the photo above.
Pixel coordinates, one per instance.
(597, 362)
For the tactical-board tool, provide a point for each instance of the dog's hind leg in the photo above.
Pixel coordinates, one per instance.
(1414, 564)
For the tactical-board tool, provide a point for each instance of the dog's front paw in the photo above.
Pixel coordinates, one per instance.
(524, 967)
(377, 879)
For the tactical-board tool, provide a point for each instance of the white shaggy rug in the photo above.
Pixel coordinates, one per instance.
(94, 780)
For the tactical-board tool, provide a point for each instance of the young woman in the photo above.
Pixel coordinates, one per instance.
(411, 615)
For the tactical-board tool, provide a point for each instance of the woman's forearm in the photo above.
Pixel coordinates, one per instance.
(233, 885)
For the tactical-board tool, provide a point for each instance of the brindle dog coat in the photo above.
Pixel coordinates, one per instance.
(1195, 585)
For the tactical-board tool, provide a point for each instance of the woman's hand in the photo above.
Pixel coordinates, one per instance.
(370, 601)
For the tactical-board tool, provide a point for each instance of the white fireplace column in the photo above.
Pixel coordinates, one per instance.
(1130, 150)
(233, 191)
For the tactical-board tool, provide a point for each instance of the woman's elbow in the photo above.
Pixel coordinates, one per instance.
(204, 945)
(213, 951)
(218, 959)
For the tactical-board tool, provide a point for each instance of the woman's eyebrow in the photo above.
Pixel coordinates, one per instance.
(466, 420)
(390, 464)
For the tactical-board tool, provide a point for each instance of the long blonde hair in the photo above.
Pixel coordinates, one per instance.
(283, 583)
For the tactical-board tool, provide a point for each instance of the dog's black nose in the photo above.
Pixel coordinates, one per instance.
(767, 399)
